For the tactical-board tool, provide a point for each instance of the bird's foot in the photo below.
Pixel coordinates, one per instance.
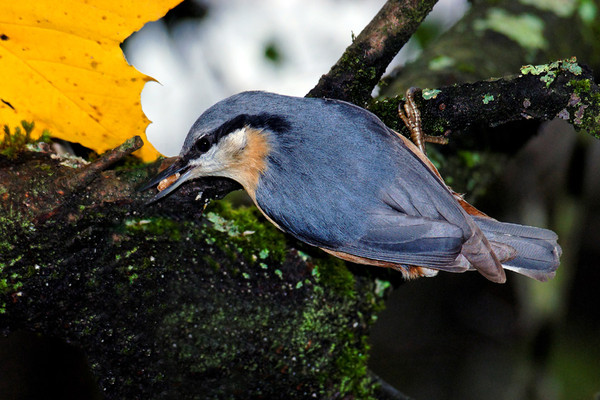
(412, 119)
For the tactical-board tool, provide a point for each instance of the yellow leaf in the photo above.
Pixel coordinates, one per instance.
(61, 66)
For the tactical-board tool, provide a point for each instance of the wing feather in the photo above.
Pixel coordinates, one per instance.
(404, 239)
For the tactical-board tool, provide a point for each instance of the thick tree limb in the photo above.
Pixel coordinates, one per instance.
(363, 63)
(165, 303)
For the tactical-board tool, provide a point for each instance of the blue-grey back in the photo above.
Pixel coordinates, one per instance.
(337, 167)
(338, 178)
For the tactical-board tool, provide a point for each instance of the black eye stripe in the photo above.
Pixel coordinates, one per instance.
(232, 125)
(272, 122)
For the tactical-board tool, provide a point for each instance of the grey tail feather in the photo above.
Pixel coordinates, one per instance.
(537, 251)
(479, 253)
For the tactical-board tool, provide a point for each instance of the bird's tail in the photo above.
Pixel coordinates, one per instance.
(536, 253)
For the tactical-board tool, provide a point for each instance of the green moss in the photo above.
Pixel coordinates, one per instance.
(569, 65)
(382, 287)
(10, 282)
(248, 230)
(487, 98)
(548, 72)
(16, 141)
(357, 86)
(306, 340)
(13, 226)
(429, 94)
(387, 110)
(333, 274)
(548, 78)
(222, 225)
(352, 365)
(582, 107)
(155, 226)
(580, 86)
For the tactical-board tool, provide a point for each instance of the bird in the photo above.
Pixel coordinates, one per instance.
(334, 176)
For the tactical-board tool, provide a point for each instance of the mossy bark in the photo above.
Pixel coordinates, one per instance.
(167, 303)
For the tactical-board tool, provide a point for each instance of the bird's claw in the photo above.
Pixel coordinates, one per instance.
(412, 119)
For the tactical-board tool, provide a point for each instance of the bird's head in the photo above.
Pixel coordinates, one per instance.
(236, 148)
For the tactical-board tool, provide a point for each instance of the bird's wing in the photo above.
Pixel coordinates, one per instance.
(398, 238)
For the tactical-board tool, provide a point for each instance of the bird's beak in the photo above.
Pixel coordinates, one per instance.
(169, 179)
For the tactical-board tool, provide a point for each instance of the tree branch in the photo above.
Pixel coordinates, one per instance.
(87, 174)
(363, 63)
(561, 89)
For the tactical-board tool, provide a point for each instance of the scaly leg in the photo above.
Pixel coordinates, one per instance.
(412, 119)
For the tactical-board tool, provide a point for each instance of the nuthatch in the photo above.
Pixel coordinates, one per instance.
(334, 176)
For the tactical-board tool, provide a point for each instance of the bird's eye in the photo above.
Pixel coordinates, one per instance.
(203, 145)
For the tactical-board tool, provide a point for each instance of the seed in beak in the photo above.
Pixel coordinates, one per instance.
(168, 181)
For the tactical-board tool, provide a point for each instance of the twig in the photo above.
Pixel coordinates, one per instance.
(87, 174)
